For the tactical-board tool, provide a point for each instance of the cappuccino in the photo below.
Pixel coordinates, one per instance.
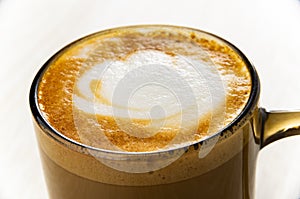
(137, 112)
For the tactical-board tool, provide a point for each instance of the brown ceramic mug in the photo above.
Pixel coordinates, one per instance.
(221, 165)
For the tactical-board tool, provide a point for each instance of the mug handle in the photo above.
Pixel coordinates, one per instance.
(278, 124)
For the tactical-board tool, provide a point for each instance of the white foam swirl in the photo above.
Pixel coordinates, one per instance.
(172, 91)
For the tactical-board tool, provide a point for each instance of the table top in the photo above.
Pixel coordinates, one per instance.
(31, 31)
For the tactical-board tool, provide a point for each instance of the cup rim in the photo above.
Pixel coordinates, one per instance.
(42, 122)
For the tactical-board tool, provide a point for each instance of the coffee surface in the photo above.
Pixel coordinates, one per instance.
(143, 89)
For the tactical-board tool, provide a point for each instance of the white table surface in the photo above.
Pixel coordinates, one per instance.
(268, 32)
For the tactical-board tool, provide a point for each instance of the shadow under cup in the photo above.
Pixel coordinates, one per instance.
(220, 166)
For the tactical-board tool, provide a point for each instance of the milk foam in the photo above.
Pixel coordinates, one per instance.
(168, 91)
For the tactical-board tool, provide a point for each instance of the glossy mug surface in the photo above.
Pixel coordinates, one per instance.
(150, 111)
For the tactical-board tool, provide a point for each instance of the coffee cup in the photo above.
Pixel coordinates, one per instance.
(152, 111)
